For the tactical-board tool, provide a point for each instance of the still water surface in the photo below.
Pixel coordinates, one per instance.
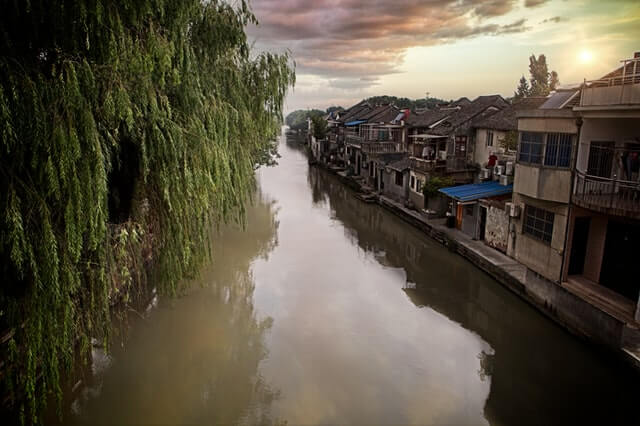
(326, 310)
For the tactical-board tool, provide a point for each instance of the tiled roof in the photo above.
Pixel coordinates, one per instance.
(400, 165)
(506, 119)
(381, 113)
(461, 119)
(427, 118)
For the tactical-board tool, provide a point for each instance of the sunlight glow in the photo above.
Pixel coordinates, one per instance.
(586, 56)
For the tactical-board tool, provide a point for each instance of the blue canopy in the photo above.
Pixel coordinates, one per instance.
(476, 191)
(355, 123)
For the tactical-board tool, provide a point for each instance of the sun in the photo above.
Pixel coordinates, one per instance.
(586, 56)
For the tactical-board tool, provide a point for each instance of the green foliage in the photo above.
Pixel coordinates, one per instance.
(542, 81)
(523, 89)
(433, 184)
(510, 141)
(164, 90)
(412, 104)
(319, 127)
(297, 120)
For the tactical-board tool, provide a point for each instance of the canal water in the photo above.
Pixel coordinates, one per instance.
(326, 310)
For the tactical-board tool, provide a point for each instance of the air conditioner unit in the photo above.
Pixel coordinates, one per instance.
(443, 155)
(509, 168)
(498, 170)
(506, 180)
(485, 174)
(513, 209)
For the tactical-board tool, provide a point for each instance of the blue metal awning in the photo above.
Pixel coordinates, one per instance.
(355, 123)
(475, 191)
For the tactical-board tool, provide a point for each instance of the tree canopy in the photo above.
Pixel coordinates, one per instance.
(412, 104)
(297, 120)
(541, 80)
(128, 130)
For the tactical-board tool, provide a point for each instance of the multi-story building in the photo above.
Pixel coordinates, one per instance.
(604, 222)
(440, 140)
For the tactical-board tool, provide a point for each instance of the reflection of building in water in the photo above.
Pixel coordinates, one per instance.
(523, 366)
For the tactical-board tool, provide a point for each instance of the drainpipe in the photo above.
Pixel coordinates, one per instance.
(574, 159)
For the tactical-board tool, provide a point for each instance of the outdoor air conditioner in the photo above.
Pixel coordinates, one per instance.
(509, 168)
(485, 173)
(506, 180)
(513, 209)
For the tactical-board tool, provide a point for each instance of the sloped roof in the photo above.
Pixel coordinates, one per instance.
(462, 118)
(506, 119)
(356, 112)
(381, 113)
(400, 165)
(427, 118)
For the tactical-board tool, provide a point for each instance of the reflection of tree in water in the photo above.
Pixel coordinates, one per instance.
(532, 360)
(195, 360)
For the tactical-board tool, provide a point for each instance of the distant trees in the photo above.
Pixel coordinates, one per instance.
(406, 102)
(297, 120)
(541, 81)
(523, 89)
(319, 127)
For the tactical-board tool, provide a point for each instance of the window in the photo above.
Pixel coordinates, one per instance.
(418, 185)
(538, 223)
(413, 182)
(399, 179)
(489, 138)
(531, 147)
(558, 150)
(600, 159)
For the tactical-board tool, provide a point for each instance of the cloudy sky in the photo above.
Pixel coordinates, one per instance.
(349, 49)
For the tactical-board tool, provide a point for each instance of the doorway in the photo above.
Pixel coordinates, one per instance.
(579, 245)
(620, 261)
(483, 222)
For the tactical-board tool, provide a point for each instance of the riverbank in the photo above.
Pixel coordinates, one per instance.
(570, 305)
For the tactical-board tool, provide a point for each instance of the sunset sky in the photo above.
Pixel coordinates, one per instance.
(346, 50)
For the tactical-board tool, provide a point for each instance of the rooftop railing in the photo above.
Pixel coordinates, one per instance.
(620, 89)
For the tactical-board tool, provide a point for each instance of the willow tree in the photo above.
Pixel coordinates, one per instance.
(128, 129)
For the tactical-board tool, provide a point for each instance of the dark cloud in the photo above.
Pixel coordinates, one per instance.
(356, 41)
(534, 3)
(554, 20)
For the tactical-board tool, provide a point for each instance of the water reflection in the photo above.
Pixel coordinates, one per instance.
(331, 311)
(539, 374)
(195, 360)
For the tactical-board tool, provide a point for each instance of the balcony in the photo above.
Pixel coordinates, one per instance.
(622, 88)
(608, 196)
(382, 147)
(427, 166)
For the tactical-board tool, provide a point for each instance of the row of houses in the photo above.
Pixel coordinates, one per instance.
(553, 182)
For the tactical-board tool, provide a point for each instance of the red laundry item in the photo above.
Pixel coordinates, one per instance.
(492, 161)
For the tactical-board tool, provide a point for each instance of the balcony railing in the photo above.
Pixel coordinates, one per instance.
(353, 139)
(382, 147)
(612, 196)
(622, 88)
(427, 166)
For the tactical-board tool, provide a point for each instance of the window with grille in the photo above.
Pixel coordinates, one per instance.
(538, 223)
(600, 159)
(531, 147)
(558, 150)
